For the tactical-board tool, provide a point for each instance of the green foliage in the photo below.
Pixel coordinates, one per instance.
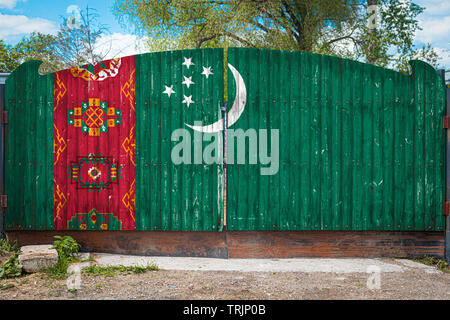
(6, 286)
(67, 249)
(9, 59)
(319, 26)
(36, 46)
(281, 24)
(110, 271)
(74, 45)
(436, 262)
(7, 246)
(426, 53)
(11, 268)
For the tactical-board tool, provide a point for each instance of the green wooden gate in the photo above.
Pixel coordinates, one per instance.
(360, 147)
(166, 196)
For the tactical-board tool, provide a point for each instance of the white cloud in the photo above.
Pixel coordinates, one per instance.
(9, 4)
(11, 25)
(73, 8)
(120, 45)
(435, 24)
(444, 57)
(436, 29)
(434, 7)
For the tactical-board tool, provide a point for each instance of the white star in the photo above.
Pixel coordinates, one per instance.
(187, 100)
(169, 90)
(188, 62)
(207, 72)
(187, 81)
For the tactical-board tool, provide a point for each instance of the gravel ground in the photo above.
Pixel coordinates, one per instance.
(414, 282)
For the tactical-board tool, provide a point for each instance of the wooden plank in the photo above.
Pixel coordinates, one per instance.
(147, 243)
(250, 244)
(334, 244)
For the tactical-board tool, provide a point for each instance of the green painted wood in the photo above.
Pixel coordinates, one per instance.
(361, 147)
(184, 196)
(29, 149)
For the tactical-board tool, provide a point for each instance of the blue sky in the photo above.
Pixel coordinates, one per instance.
(20, 17)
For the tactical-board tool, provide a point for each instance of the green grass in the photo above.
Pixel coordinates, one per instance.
(111, 271)
(435, 262)
(11, 268)
(6, 286)
(8, 246)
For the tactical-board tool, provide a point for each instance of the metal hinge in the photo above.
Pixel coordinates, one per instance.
(5, 117)
(446, 124)
(3, 201)
(446, 208)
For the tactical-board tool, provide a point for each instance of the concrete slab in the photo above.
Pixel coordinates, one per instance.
(35, 258)
(347, 265)
(420, 266)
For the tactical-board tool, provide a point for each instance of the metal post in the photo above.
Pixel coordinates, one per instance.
(2, 158)
(225, 171)
(447, 175)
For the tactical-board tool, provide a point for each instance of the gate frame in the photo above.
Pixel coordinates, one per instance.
(447, 175)
(3, 208)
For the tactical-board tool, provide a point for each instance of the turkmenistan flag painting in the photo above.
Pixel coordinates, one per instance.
(94, 143)
(174, 91)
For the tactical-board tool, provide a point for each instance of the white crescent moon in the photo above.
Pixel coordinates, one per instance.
(235, 111)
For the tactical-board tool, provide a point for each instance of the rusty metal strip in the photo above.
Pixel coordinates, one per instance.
(5, 117)
(3, 201)
(446, 208)
(446, 124)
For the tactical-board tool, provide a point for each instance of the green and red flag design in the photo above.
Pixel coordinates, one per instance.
(94, 146)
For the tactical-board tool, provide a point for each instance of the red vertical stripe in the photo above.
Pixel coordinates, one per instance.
(94, 146)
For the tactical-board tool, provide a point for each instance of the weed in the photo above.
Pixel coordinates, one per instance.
(7, 246)
(67, 249)
(436, 262)
(6, 286)
(110, 271)
(11, 268)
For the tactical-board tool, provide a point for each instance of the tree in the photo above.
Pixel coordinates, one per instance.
(36, 46)
(336, 27)
(76, 43)
(284, 24)
(77, 40)
(8, 58)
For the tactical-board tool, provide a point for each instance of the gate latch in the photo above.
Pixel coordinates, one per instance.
(446, 208)
(3, 201)
(446, 124)
(4, 117)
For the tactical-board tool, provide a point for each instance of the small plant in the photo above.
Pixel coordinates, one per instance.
(436, 262)
(7, 246)
(6, 286)
(67, 249)
(66, 246)
(11, 268)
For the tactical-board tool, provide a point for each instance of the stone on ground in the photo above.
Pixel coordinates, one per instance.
(37, 257)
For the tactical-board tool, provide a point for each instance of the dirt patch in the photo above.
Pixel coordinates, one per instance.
(155, 285)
